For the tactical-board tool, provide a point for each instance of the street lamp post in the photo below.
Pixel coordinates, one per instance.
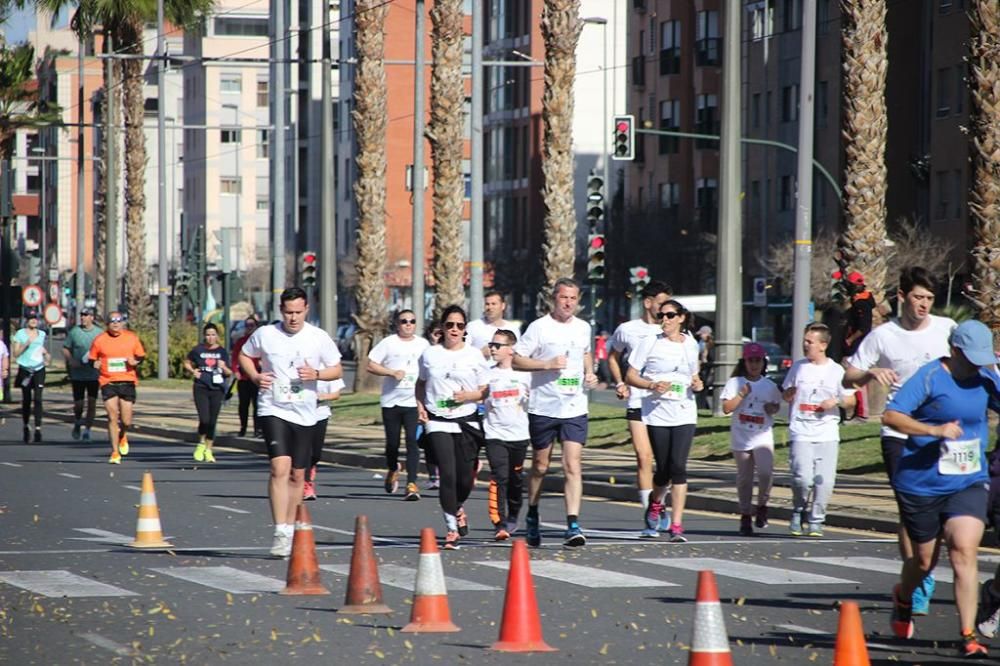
(43, 272)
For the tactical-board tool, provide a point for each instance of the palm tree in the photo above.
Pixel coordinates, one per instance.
(865, 67)
(561, 26)
(21, 105)
(447, 141)
(985, 128)
(370, 123)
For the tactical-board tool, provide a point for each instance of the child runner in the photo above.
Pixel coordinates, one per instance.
(815, 391)
(752, 399)
(506, 429)
(326, 393)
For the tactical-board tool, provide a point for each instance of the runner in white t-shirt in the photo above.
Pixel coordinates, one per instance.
(626, 338)
(556, 349)
(294, 355)
(666, 367)
(480, 331)
(395, 358)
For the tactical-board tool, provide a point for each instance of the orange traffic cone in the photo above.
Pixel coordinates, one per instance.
(148, 533)
(364, 591)
(521, 627)
(709, 643)
(430, 597)
(851, 649)
(303, 570)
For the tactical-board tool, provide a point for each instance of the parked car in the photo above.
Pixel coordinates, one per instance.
(778, 361)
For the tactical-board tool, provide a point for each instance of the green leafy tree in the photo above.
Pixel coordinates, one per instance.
(21, 105)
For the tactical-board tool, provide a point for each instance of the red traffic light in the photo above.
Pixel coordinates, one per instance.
(596, 242)
(308, 258)
(622, 126)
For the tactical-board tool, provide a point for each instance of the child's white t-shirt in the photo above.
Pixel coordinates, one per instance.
(814, 383)
(506, 402)
(751, 425)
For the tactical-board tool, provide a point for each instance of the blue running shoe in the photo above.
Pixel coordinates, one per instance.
(533, 535)
(651, 517)
(574, 537)
(921, 602)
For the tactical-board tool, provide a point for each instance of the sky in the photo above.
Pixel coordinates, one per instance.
(16, 29)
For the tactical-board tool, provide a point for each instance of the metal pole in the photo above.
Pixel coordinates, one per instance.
(803, 210)
(328, 226)
(729, 309)
(163, 319)
(476, 223)
(43, 200)
(278, 47)
(111, 188)
(81, 236)
(606, 160)
(417, 260)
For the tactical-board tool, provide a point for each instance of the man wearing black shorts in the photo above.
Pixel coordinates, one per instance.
(82, 375)
(117, 353)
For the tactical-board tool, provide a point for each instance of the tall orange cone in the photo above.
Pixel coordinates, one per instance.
(521, 627)
(851, 649)
(709, 643)
(430, 596)
(303, 569)
(364, 591)
(148, 533)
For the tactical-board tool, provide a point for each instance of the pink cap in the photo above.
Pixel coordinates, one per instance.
(855, 278)
(753, 350)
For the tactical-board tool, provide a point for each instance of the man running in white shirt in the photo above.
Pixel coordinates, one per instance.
(294, 356)
(557, 349)
(480, 331)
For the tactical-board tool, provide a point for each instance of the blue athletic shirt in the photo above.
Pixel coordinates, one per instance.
(931, 466)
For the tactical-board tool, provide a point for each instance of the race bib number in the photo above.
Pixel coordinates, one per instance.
(752, 420)
(287, 392)
(217, 378)
(808, 412)
(959, 457)
(408, 381)
(117, 365)
(569, 385)
(447, 404)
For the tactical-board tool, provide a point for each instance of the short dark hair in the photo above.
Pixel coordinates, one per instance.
(293, 294)
(494, 292)
(450, 310)
(209, 327)
(506, 335)
(403, 312)
(916, 276)
(565, 282)
(656, 287)
(822, 329)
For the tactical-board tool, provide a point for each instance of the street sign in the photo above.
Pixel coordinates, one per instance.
(53, 292)
(32, 295)
(760, 292)
(52, 314)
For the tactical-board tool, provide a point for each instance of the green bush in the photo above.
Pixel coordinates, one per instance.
(181, 338)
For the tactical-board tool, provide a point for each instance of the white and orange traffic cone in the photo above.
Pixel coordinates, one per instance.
(709, 643)
(850, 649)
(303, 570)
(148, 533)
(430, 613)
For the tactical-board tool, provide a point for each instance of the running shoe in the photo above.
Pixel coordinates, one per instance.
(115, 459)
(463, 522)
(451, 540)
(815, 530)
(795, 524)
(664, 519)
(432, 483)
(902, 618)
(746, 525)
(199, 453)
(533, 535)
(86, 435)
(76, 430)
(988, 616)
(970, 648)
(511, 526)
(209, 456)
(677, 534)
(392, 480)
(761, 520)
(308, 491)
(38, 435)
(412, 492)
(574, 537)
(282, 545)
(123, 445)
(920, 601)
(651, 517)
(501, 534)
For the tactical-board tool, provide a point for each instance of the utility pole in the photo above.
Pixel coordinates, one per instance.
(278, 60)
(729, 309)
(163, 318)
(81, 236)
(476, 223)
(328, 202)
(111, 185)
(801, 293)
(417, 267)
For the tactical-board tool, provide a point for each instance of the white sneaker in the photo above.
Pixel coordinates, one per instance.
(282, 545)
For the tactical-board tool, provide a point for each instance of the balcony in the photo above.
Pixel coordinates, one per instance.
(639, 5)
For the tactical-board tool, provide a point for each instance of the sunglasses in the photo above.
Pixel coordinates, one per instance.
(668, 315)
(497, 345)
(116, 320)
(407, 321)
(460, 325)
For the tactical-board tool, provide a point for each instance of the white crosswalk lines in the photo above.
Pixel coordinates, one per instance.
(230, 509)
(226, 579)
(59, 583)
(942, 573)
(582, 576)
(405, 578)
(10, 464)
(101, 536)
(70, 476)
(771, 575)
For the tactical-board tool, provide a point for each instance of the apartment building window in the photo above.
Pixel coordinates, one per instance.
(943, 195)
(230, 83)
(959, 89)
(263, 144)
(755, 110)
(767, 109)
(785, 194)
(761, 19)
(823, 17)
(234, 26)
(959, 193)
(639, 71)
(670, 199)
(230, 135)
(263, 93)
(670, 119)
(670, 47)
(791, 12)
(790, 103)
(707, 202)
(822, 103)
(706, 119)
(229, 185)
(944, 91)
(707, 46)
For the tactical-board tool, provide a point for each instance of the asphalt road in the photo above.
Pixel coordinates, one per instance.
(71, 592)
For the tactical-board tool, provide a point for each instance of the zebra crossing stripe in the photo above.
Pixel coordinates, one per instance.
(942, 573)
(582, 576)
(61, 583)
(100, 536)
(405, 577)
(771, 575)
(226, 579)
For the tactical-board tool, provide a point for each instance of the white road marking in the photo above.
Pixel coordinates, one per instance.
(227, 508)
(405, 578)
(610, 534)
(101, 536)
(108, 644)
(770, 575)
(350, 533)
(69, 476)
(226, 579)
(136, 488)
(10, 464)
(942, 573)
(583, 576)
(59, 583)
(796, 629)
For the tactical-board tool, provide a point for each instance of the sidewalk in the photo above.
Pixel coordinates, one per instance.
(859, 502)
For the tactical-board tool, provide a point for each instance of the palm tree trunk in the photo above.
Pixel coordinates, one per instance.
(561, 26)
(100, 212)
(370, 123)
(865, 65)
(985, 125)
(447, 142)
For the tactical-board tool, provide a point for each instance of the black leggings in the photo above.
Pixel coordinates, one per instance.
(395, 419)
(31, 384)
(671, 447)
(507, 479)
(208, 402)
(247, 392)
(455, 461)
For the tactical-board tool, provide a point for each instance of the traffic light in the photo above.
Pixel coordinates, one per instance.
(308, 267)
(182, 284)
(624, 138)
(639, 277)
(595, 201)
(595, 257)
(34, 269)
